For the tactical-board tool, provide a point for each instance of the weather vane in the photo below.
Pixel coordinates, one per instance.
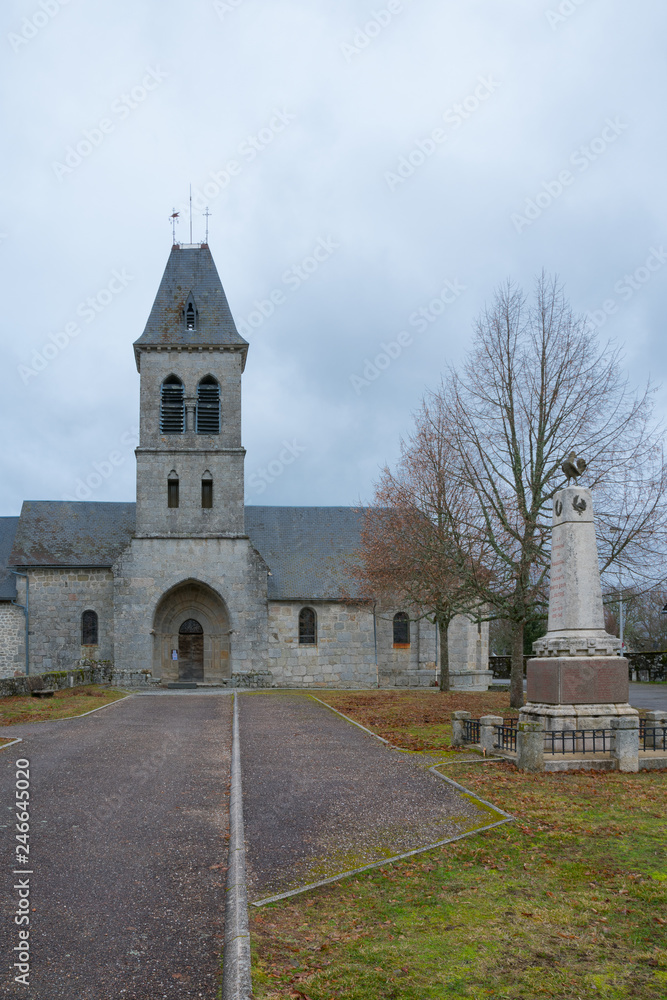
(174, 219)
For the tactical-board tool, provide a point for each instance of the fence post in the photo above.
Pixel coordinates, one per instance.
(656, 718)
(458, 718)
(487, 731)
(626, 742)
(530, 746)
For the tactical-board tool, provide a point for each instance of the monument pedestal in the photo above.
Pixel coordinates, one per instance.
(576, 679)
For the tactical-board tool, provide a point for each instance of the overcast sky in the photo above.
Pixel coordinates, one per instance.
(426, 149)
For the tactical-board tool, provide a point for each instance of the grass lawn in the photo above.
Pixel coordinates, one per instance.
(567, 902)
(63, 705)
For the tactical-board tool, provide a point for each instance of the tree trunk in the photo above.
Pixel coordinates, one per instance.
(444, 655)
(516, 676)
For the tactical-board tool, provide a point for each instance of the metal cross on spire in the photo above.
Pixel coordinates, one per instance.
(207, 216)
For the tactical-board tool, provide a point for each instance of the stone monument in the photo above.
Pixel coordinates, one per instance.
(576, 680)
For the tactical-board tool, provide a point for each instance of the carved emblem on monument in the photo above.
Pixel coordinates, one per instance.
(579, 504)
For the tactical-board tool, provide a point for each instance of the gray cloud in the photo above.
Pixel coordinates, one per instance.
(315, 104)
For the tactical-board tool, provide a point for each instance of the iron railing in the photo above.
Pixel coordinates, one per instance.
(579, 741)
(505, 737)
(471, 730)
(652, 737)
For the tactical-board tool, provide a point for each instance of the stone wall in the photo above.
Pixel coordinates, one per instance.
(12, 638)
(190, 455)
(151, 568)
(58, 598)
(344, 655)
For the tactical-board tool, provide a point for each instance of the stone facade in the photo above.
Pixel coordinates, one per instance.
(12, 639)
(152, 569)
(190, 455)
(344, 654)
(468, 643)
(58, 598)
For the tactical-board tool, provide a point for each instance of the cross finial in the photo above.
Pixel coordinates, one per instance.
(207, 216)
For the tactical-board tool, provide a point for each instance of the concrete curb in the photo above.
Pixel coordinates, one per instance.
(236, 977)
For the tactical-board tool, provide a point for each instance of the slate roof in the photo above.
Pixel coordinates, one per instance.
(190, 269)
(8, 526)
(304, 547)
(72, 533)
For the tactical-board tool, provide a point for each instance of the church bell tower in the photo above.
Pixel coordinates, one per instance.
(191, 359)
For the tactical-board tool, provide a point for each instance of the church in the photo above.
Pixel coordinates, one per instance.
(188, 585)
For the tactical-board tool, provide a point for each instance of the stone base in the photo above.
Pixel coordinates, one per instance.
(557, 718)
(578, 680)
(470, 680)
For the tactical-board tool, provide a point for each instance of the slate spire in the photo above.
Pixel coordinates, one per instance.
(190, 278)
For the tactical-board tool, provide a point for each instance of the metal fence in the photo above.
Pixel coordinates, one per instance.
(471, 730)
(506, 737)
(579, 741)
(652, 737)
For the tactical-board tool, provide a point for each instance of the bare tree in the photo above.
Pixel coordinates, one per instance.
(410, 551)
(536, 385)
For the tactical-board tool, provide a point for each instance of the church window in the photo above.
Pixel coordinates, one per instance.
(207, 491)
(173, 484)
(401, 629)
(208, 406)
(172, 406)
(89, 628)
(307, 627)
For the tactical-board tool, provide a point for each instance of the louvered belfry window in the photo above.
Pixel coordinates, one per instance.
(190, 317)
(208, 406)
(172, 406)
(89, 628)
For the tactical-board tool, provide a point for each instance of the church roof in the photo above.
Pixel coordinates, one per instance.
(304, 547)
(8, 526)
(72, 533)
(190, 270)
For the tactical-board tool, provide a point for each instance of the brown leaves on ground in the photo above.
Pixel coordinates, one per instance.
(391, 714)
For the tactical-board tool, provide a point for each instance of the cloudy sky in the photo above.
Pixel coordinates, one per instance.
(373, 169)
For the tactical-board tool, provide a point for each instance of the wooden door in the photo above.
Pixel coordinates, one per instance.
(191, 651)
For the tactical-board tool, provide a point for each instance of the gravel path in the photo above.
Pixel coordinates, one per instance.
(320, 796)
(129, 815)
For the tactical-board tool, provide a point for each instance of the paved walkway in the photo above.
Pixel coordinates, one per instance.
(129, 812)
(320, 796)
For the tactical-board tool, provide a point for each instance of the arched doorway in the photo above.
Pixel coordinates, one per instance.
(191, 630)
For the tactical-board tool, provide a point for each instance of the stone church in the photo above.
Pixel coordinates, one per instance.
(188, 584)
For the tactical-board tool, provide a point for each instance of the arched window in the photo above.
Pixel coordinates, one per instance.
(89, 628)
(173, 486)
(401, 629)
(172, 406)
(207, 490)
(190, 313)
(307, 627)
(191, 627)
(208, 406)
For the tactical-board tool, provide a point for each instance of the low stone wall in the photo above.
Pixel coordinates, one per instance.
(56, 680)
